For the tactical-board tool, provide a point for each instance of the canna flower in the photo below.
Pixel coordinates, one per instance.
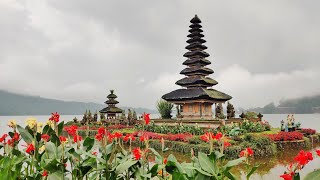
(12, 123)
(318, 152)
(226, 144)
(129, 137)
(247, 152)
(30, 149)
(39, 127)
(71, 130)
(206, 137)
(45, 137)
(3, 138)
(42, 148)
(117, 135)
(146, 118)
(31, 123)
(50, 124)
(102, 131)
(94, 153)
(45, 173)
(16, 136)
(303, 157)
(218, 136)
(63, 139)
(77, 138)
(55, 117)
(137, 153)
(288, 176)
(99, 137)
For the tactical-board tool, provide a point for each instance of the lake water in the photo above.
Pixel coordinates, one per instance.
(271, 168)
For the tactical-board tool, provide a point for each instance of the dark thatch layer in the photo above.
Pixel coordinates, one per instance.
(196, 93)
(196, 45)
(195, 34)
(111, 110)
(194, 61)
(197, 70)
(197, 80)
(111, 101)
(196, 53)
(196, 39)
(112, 96)
(195, 26)
(195, 30)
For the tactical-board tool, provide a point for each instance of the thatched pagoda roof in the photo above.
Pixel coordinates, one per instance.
(196, 39)
(196, 53)
(197, 81)
(193, 61)
(196, 70)
(196, 45)
(111, 110)
(195, 19)
(111, 101)
(195, 94)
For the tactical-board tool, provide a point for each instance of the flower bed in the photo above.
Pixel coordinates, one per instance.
(286, 136)
(308, 131)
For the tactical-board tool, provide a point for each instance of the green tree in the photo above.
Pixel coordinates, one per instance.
(165, 109)
(129, 115)
(134, 115)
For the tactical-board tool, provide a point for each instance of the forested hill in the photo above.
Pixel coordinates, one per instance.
(303, 105)
(17, 104)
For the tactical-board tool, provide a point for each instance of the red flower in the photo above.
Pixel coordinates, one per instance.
(287, 176)
(218, 136)
(16, 136)
(206, 137)
(30, 149)
(99, 137)
(55, 117)
(72, 130)
(144, 138)
(117, 135)
(3, 138)
(318, 152)
(102, 131)
(45, 173)
(147, 118)
(77, 138)
(129, 137)
(62, 139)
(94, 153)
(226, 144)
(165, 161)
(10, 142)
(45, 137)
(303, 157)
(137, 153)
(246, 153)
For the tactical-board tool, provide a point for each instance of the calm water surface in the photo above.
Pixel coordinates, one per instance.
(271, 168)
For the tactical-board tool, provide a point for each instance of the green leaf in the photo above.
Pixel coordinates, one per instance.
(124, 166)
(26, 136)
(51, 149)
(229, 175)
(205, 163)
(58, 175)
(88, 143)
(254, 168)
(154, 170)
(179, 176)
(60, 128)
(109, 148)
(313, 175)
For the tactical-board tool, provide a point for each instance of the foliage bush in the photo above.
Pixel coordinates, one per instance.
(164, 109)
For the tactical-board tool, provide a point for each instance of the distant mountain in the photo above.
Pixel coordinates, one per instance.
(18, 104)
(303, 105)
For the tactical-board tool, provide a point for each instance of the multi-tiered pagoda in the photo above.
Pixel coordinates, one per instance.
(111, 110)
(195, 100)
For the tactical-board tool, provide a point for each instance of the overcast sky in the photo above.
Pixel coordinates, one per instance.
(261, 51)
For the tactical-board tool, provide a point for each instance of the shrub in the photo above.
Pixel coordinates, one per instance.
(165, 109)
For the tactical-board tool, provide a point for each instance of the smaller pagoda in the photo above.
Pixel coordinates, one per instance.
(111, 110)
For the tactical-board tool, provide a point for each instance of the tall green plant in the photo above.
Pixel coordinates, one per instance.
(165, 109)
